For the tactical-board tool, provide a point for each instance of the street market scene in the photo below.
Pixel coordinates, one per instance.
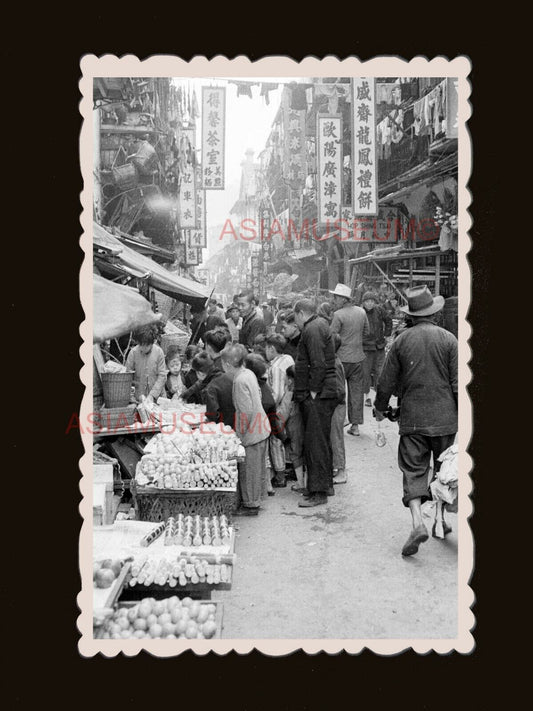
(275, 357)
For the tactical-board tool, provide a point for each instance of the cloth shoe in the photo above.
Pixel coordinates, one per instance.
(354, 430)
(313, 500)
(417, 536)
(331, 491)
(368, 402)
(340, 477)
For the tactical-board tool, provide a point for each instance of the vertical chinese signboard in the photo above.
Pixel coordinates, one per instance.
(192, 256)
(329, 167)
(200, 202)
(364, 163)
(213, 137)
(196, 239)
(187, 194)
(295, 159)
(256, 273)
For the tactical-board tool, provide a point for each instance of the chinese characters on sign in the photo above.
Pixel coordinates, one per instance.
(364, 160)
(256, 273)
(187, 194)
(195, 238)
(213, 137)
(329, 166)
(192, 256)
(295, 211)
(200, 203)
(295, 160)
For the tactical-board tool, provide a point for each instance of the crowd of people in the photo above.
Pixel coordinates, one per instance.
(286, 375)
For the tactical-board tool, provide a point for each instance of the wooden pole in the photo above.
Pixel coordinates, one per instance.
(402, 297)
(437, 275)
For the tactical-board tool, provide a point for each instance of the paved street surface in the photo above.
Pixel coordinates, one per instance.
(336, 571)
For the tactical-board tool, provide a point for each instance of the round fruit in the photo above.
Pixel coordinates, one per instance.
(164, 619)
(140, 624)
(126, 634)
(116, 567)
(123, 623)
(211, 609)
(208, 629)
(104, 577)
(96, 568)
(116, 636)
(194, 609)
(192, 630)
(159, 607)
(168, 629)
(171, 636)
(186, 602)
(145, 609)
(114, 628)
(151, 620)
(132, 613)
(155, 631)
(173, 602)
(175, 615)
(181, 626)
(203, 614)
(139, 634)
(107, 563)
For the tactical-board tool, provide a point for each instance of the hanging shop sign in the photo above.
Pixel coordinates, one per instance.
(213, 137)
(295, 212)
(192, 256)
(187, 193)
(364, 159)
(200, 203)
(181, 253)
(294, 150)
(195, 238)
(329, 167)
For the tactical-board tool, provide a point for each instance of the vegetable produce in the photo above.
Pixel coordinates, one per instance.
(106, 572)
(169, 618)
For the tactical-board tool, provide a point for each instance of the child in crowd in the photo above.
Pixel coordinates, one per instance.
(251, 426)
(174, 385)
(187, 373)
(203, 365)
(147, 361)
(295, 432)
(279, 361)
(337, 420)
(259, 345)
(258, 366)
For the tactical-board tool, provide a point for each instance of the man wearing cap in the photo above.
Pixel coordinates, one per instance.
(351, 323)
(421, 368)
(380, 323)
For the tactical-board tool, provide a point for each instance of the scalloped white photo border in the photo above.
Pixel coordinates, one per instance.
(220, 66)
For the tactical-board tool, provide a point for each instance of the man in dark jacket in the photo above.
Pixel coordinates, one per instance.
(215, 342)
(380, 324)
(218, 396)
(315, 389)
(252, 323)
(421, 368)
(292, 334)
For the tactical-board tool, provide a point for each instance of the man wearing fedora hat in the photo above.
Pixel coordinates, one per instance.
(421, 368)
(351, 323)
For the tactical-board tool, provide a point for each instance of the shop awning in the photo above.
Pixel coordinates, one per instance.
(118, 310)
(167, 282)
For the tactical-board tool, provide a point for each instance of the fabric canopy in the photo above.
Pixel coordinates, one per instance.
(118, 310)
(167, 282)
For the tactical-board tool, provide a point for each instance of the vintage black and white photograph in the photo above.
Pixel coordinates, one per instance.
(275, 420)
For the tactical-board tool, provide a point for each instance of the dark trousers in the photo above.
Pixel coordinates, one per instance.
(317, 416)
(414, 456)
(353, 372)
(372, 366)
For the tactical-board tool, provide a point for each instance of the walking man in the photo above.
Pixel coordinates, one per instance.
(380, 323)
(351, 323)
(421, 368)
(316, 391)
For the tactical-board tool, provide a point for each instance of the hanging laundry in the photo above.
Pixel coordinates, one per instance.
(266, 88)
(244, 89)
(298, 100)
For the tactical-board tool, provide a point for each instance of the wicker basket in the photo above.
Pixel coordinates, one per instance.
(145, 159)
(180, 340)
(159, 506)
(125, 176)
(116, 417)
(117, 388)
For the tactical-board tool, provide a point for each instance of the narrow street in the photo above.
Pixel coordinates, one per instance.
(336, 571)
